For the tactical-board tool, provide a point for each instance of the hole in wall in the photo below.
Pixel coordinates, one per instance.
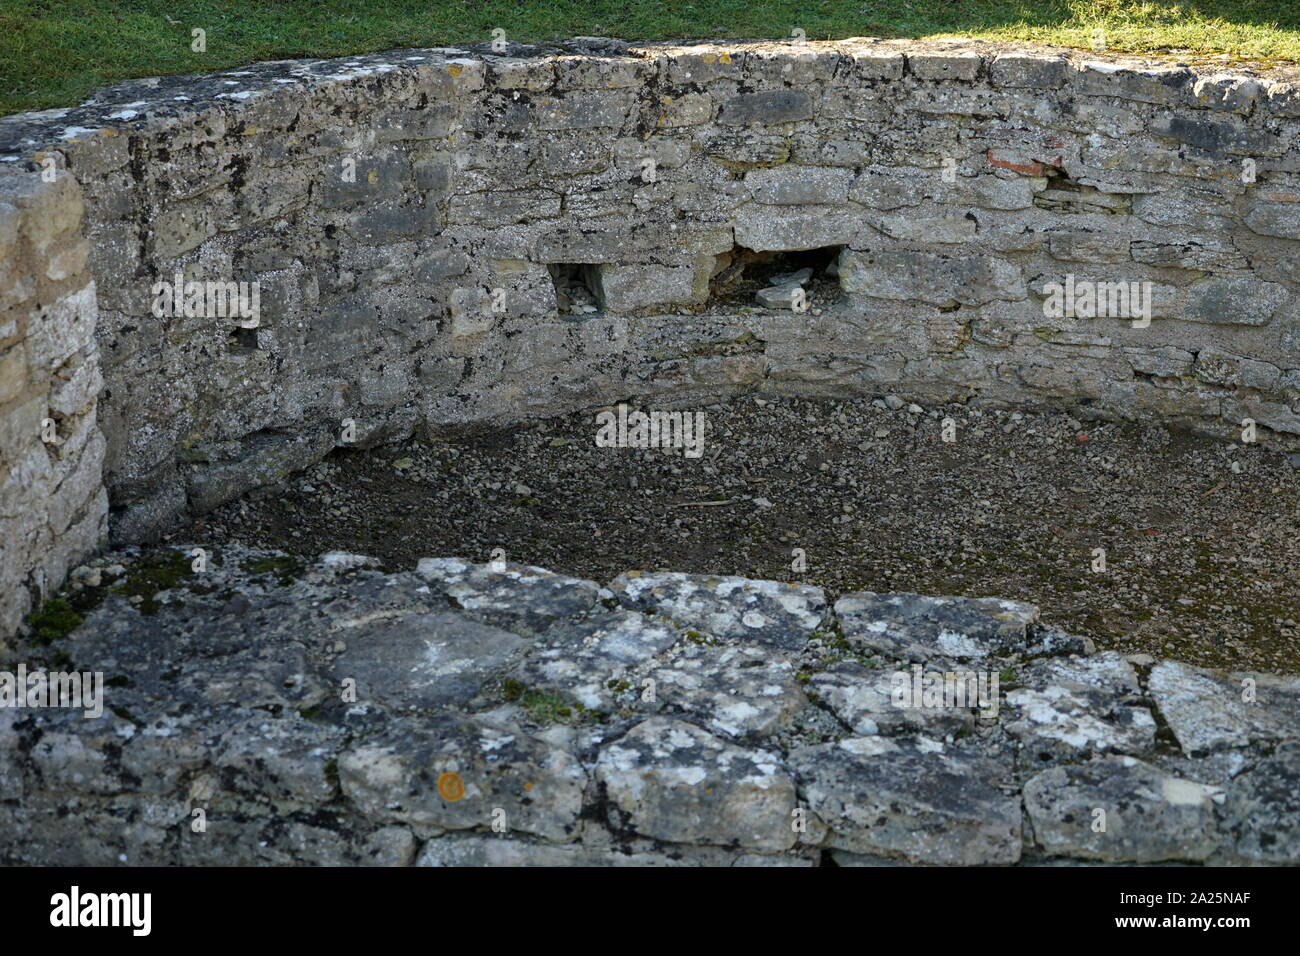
(242, 340)
(741, 276)
(578, 288)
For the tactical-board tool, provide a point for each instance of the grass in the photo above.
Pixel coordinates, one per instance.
(54, 52)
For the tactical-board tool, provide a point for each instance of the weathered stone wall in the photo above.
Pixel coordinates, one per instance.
(401, 213)
(469, 714)
(53, 507)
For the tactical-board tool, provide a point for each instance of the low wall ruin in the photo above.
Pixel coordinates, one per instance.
(447, 237)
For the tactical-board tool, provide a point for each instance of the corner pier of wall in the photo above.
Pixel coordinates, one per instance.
(444, 237)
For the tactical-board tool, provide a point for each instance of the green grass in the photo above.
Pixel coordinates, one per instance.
(54, 52)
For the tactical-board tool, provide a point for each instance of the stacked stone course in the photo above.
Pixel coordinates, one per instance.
(953, 182)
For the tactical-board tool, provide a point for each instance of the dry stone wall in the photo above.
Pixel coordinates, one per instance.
(442, 237)
(270, 711)
(53, 506)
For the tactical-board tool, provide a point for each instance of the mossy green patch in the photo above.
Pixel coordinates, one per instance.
(54, 619)
(547, 707)
(285, 568)
(159, 571)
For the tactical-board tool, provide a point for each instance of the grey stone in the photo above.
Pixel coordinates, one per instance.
(917, 628)
(735, 692)
(526, 600)
(1240, 301)
(866, 701)
(764, 613)
(1121, 810)
(766, 108)
(922, 802)
(448, 773)
(424, 661)
(670, 780)
(592, 660)
(929, 277)
(1076, 707)
(1262, 809)
(1209, 712)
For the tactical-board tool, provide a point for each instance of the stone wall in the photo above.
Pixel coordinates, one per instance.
(468, 714)
(406, 215)
(53, 506)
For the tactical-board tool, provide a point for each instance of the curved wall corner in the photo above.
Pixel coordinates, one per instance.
(410, 221)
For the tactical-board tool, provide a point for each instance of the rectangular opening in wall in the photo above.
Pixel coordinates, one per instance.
(800, 280)
(578, 289)
(242, 340)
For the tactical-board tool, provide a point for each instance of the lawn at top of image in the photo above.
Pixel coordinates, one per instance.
(55, 54)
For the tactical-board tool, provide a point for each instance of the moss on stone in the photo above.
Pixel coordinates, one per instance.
(153, 573)
(286, 568)
(547, 707)
(54, 619)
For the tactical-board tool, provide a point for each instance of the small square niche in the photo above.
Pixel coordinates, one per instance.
(578, 289)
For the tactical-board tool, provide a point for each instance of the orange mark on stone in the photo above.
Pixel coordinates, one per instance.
(450, 787)
(528, 786)
(1021, 163)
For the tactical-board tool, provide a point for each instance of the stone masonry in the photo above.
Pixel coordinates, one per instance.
(406, 215)
(53, 504)
(266, 710)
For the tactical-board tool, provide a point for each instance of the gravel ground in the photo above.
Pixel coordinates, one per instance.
(1201, 536)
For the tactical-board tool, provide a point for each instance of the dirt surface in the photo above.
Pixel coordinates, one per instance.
(1201, 536)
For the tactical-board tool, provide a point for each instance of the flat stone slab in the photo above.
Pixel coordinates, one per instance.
(1262, 809)
(598, 660)
(768, 613)
(1119, 809)
(1077, 707)
(914, 627)
(920, 802)
(425, 661)
(453, 774)
(670, 780)
(516, 597)
(1209, 712)
(736, 692)
(865, 700)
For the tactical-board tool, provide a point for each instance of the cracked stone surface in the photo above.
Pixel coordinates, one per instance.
(465, 714)
(1079, 707)
(1209, 712)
